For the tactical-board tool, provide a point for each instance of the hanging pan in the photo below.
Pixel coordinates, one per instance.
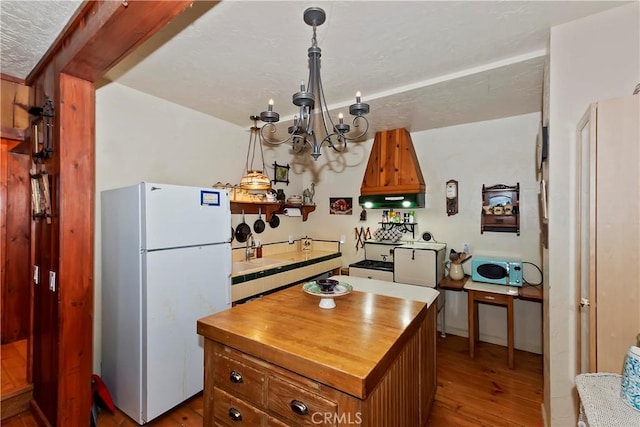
(243, 231)
(274, 222)
(258, 226)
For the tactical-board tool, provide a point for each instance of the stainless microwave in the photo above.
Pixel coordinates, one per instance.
(499, 271)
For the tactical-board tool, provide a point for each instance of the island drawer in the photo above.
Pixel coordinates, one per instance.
(240, 379)
(491, 297)
(299, 405)
(230, 411)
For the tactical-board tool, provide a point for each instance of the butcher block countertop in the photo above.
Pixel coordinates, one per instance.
(349, 347)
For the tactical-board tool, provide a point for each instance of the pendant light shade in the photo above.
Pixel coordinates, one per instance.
(254, 179)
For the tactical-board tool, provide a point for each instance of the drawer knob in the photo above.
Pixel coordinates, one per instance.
(235, 415)
(235, 377)
(299, 407)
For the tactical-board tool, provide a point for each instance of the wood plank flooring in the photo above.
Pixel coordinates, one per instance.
(479, 392)
(14, 367)
(484, 391)
(16, 391)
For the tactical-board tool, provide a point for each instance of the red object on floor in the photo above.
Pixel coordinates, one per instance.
(101, 390)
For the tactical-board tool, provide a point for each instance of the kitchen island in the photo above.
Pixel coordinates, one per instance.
(282, 360)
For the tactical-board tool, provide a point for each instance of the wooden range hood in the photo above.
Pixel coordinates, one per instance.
(393, 178)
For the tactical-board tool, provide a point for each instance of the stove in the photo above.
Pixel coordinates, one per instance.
(378, 262)
(374, 265)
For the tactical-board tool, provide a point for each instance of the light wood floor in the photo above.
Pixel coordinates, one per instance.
(480, 392)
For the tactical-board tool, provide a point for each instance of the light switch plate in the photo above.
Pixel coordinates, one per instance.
(52, 281)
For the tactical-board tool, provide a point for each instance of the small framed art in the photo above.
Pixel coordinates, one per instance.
(280, 173)
(341, 205)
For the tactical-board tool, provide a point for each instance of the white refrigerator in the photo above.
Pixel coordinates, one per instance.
(166, 262)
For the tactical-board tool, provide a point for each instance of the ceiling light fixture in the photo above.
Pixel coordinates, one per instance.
(255, 180)
(302, 133)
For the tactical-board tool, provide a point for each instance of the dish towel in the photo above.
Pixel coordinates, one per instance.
(630, 390)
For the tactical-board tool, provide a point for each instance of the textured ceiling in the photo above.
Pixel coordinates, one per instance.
(27, 29)
(420, 64)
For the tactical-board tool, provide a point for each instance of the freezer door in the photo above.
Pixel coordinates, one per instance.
(176, 216)
(180, 286)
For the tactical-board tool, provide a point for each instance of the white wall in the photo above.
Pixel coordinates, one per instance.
(140, 137)
(492, 152)
(594, 58)
(143, 138)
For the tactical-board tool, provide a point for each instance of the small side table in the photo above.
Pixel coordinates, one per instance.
(482, 293)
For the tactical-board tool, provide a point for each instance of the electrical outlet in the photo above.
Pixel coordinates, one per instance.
(466, 247)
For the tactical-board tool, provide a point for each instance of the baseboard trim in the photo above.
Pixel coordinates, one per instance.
(492, 339)
(16, 402)
(544, 416)
(41, 419)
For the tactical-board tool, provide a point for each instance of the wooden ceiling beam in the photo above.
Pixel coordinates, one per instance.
(102, 33)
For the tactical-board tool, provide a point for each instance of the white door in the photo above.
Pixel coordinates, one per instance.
(181, 286)
(177, 216)
(585, 274)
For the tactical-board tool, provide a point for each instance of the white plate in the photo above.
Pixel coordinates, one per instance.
(340, 289)
(326, 298)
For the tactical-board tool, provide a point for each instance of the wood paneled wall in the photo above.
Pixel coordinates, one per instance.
(15, 212)
(100, 34)
(14, 104)
(15, 206)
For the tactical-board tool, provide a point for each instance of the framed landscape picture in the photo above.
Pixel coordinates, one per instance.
(280, 173)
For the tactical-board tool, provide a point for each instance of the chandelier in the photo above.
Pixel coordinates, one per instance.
(302, 133)
(254, 179)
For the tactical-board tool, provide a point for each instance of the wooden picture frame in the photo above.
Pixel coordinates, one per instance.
(280, 173)
(341, 205)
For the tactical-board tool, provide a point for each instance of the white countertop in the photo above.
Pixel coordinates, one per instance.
(424, 245)
(253, 265)
(409, 244)
(391, 289)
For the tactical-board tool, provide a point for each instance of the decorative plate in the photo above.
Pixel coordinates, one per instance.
(313, 288)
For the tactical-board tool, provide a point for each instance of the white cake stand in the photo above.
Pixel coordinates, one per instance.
(326, 298)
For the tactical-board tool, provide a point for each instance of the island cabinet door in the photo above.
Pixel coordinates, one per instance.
(300, 406)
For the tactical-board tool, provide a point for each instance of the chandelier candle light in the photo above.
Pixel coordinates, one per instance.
(302, 134)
